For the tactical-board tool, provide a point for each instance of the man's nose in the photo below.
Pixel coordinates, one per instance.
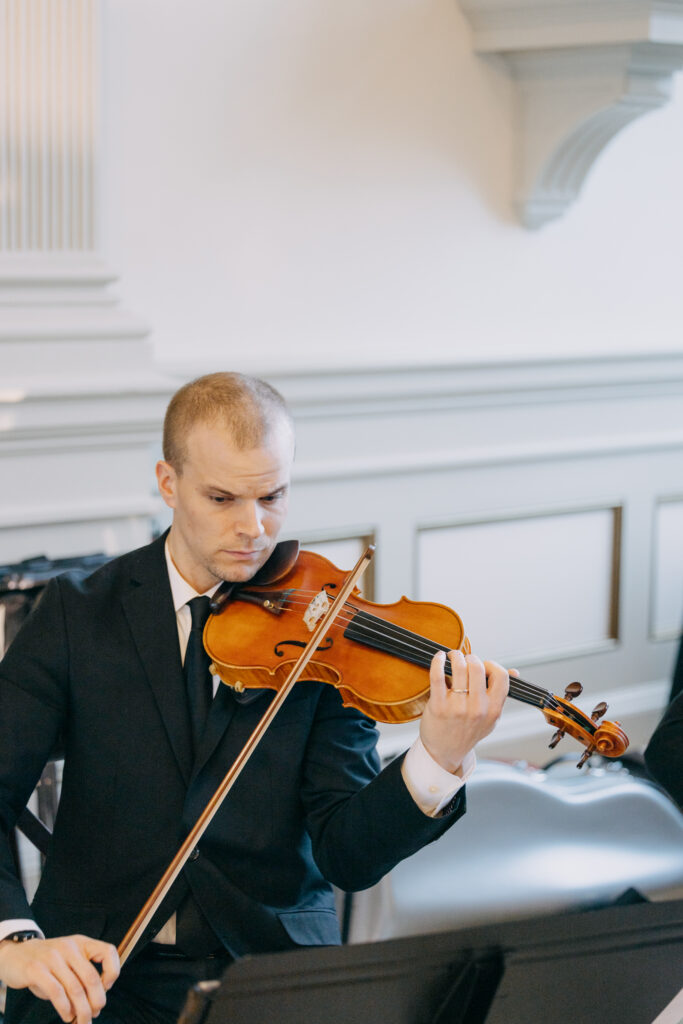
(251, 520)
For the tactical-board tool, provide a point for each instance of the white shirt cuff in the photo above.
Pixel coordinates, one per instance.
(19, 925)
(430, 785)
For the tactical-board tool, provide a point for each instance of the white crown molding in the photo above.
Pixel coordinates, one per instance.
(132, 399)
(323, 392)
(373, 467)
(82, 511)
(584, 70)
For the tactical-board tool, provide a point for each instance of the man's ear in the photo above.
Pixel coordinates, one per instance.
(166, 481)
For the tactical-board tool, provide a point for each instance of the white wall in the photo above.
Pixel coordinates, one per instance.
(316, 183)
(309, 185)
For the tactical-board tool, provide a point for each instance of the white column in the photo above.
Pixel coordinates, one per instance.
(80, 400)
(48, 123)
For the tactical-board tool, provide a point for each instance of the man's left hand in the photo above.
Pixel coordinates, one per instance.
(461, 709)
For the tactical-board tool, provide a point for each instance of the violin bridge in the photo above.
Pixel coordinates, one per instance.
(316, 609)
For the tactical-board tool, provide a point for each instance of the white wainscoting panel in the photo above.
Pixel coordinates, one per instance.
(667, 561)
(554, 586)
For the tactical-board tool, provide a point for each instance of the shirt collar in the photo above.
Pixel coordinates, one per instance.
(181, 590)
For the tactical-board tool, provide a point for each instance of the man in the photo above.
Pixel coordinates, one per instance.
(101, 663)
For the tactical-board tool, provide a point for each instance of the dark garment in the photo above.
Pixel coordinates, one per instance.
(152, 989)
(194, 934)
(196, 670)
(677, 681)
(98, 661)
(664, 753)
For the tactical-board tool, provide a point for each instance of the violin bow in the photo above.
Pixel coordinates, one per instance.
(136, 930)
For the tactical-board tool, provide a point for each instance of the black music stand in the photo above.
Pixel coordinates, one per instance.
(619, 965)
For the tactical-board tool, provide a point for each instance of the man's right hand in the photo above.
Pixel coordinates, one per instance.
(62, 971)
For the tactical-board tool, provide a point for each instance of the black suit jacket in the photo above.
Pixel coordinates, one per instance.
(99, 662)
(664, 753)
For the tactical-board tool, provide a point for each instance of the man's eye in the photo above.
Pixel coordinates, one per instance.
(218, 499)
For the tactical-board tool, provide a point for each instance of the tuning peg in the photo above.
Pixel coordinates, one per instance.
(586, 754)
(598, 711)
(556, 739)
(573, 690)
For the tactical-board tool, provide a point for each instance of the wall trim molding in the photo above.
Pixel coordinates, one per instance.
(143, 433)
(80, 412)
(40, 405)
(85, 510)
(339, 390)
(429, 462)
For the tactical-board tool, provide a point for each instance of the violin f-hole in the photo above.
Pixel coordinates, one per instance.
(325, 646)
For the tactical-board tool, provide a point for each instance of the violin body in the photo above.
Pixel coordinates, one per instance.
(271, 624)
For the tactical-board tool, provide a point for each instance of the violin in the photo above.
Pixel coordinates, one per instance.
(376, 655)
(300, 602)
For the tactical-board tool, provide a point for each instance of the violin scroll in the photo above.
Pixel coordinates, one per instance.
(608, 739)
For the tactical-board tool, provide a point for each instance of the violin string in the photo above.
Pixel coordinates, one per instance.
(422, 655)
(519, 688)
(377, 632)
(419, 654)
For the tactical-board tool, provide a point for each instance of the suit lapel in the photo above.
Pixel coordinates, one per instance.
(148, 607)
(225, 704)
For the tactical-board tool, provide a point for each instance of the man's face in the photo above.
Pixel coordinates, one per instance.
(228, 503)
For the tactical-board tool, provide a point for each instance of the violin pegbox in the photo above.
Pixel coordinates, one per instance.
(316, 609)
(572, 691)
(608, 739)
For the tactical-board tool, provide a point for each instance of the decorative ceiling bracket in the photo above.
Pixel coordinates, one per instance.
(584, 70)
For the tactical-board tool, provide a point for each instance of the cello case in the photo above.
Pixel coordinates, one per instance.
(533, 841)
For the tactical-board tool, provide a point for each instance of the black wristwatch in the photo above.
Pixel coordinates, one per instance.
(23, 936)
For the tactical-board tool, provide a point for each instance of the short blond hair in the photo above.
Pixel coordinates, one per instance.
(247, 406)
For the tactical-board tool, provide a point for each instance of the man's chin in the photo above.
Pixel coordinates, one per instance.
(239, 570)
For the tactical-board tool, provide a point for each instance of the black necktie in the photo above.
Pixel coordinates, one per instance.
(194, 935)
(198, 679)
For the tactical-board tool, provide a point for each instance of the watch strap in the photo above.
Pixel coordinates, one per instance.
(24, 935)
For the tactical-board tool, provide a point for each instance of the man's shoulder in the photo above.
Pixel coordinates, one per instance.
(132, 566)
